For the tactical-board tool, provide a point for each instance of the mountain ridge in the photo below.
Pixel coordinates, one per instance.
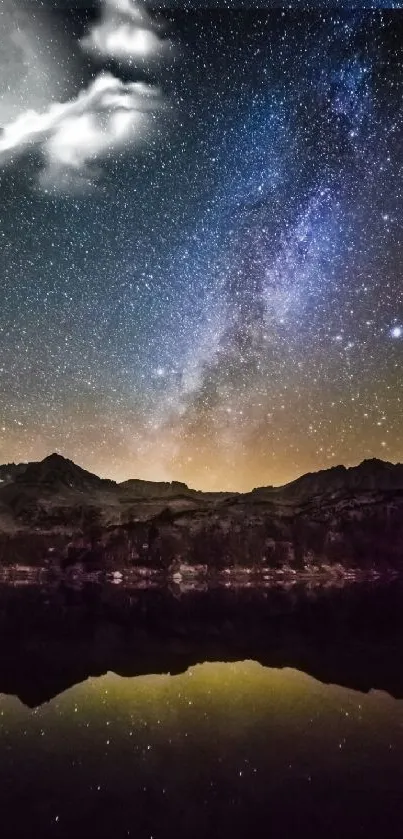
(56, 469)
(345, 517)
(370, 471)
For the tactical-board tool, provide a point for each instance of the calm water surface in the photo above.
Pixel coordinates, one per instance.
(224, 748)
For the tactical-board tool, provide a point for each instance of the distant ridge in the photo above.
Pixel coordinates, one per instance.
(58, 471)
(159, 489)
(338, 518)
(370, 474)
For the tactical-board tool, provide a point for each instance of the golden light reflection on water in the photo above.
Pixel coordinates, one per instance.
(234, 735)
(215, 695)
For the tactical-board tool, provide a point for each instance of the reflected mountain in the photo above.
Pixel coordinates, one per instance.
(219, 750)
(54, 637)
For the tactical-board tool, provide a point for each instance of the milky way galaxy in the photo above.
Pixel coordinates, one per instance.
(201, 240)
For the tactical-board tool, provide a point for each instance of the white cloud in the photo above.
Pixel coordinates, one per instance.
(127, 7)
(73, 136)
(122, 41)
(125, 33)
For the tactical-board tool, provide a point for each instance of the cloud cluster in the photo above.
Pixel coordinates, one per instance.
(72, 137)
(125, 33)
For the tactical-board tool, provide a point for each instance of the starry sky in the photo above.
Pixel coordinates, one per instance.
(201, 238)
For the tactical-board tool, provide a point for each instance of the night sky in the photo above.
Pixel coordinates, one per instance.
(201, 239)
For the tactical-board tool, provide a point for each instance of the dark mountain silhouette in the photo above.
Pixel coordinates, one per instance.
(339, 517)
(58, 472)
(10, 471)
(156, 489)
(370, 475)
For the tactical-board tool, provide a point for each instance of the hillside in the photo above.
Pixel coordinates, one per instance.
(337, 517)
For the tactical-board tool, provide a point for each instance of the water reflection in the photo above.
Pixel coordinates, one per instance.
(54, 637)
(111, 726)
(220, 750)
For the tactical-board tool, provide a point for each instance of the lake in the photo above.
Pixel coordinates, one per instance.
(159, 713)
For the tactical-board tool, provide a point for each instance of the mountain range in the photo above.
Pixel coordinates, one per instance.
(350, 517)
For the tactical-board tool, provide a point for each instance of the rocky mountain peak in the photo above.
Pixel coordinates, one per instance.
(58, 472)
